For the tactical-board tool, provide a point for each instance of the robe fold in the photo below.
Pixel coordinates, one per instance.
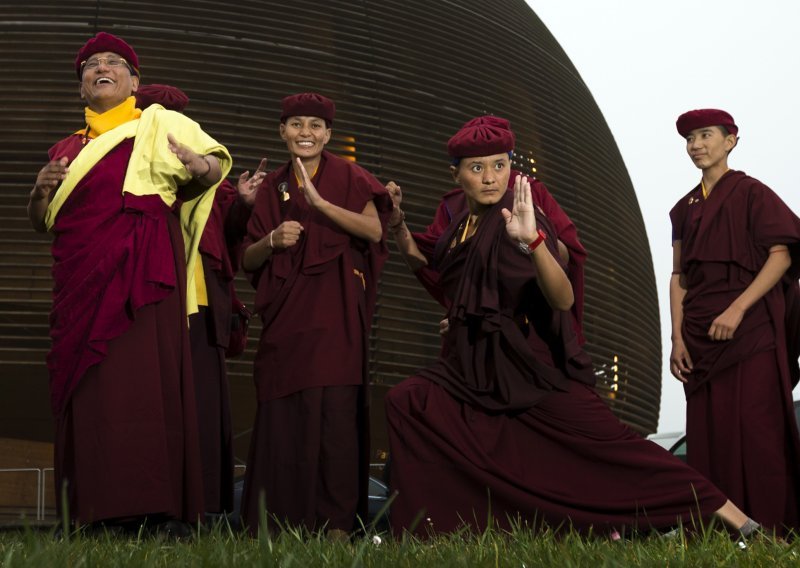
(505, 427)
(741, 428)
(210, 330)
(316, 301)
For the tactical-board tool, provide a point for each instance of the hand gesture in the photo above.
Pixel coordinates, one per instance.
(247, 186)
(52, 174)
(521, 220)
(194, 163)
(395, 193)
(397, 198)
(725, 324)
(444, 326)
(680, 363)
(313, 197)
(286, 235)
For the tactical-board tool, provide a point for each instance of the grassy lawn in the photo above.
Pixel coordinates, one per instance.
(222, 547)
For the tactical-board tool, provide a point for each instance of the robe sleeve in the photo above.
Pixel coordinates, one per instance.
(426, 241)
(260, 224)
(565, 229)
(69, 147)
(677, 215)
(771, 223)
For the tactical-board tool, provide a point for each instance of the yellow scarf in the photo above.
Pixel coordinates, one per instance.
(97, 124)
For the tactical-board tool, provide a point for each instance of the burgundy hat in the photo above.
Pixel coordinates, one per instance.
(171, 98)
(482, 136)
(107, 42)
(489, 119)
(704, 117)
(308, 104)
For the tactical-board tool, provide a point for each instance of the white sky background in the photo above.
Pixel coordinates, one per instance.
(646, 62)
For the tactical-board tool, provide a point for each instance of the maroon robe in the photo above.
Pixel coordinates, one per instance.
(741, 429)
(120, 368)
(210, 330)
(316, 301)
(454, 203)
(506, 424)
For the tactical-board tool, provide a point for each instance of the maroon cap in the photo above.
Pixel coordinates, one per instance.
(107, 42)
(704, 117)
(171, 98)
(482, 136)
(308, 104)
(490, 120)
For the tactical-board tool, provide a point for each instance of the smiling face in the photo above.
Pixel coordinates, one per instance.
(104, 85)
(305, 136)
(483, 179)
(708, 147)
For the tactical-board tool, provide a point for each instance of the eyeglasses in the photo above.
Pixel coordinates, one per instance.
(112, 62)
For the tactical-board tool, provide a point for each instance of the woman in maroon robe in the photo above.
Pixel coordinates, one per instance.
(120, 371)
(454, 203)
(315, 248)
(506, 426)
(734, 303)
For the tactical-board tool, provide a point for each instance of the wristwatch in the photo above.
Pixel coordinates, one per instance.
(529, 248)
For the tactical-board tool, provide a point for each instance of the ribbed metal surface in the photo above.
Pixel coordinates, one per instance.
(405, 75)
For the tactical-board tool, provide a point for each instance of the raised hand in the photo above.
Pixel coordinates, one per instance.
(194, 163)
(395, 193)
(521, 220)
(248, 185)
(397, 198)
(52, 174)
(313, 197)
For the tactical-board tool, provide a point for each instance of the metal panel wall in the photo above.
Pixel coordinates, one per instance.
(405, 75)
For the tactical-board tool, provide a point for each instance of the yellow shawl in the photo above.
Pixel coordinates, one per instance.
(154, 170)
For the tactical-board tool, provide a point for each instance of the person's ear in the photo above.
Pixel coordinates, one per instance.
(454, 173)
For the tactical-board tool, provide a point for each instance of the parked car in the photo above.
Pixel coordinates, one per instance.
(678, 446)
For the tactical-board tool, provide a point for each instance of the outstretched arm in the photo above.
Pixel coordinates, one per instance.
(402, 236)
(521, 226)
(205, 169)
(365, 225)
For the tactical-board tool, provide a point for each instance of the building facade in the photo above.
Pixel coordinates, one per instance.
(405, 75)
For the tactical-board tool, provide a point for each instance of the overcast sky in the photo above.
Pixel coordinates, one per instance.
(646, 62)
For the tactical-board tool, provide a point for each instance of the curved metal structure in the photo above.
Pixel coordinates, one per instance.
(405, 75)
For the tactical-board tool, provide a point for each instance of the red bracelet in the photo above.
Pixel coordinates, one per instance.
(539, 240)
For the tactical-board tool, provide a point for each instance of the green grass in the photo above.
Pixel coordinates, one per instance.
(222, 547)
